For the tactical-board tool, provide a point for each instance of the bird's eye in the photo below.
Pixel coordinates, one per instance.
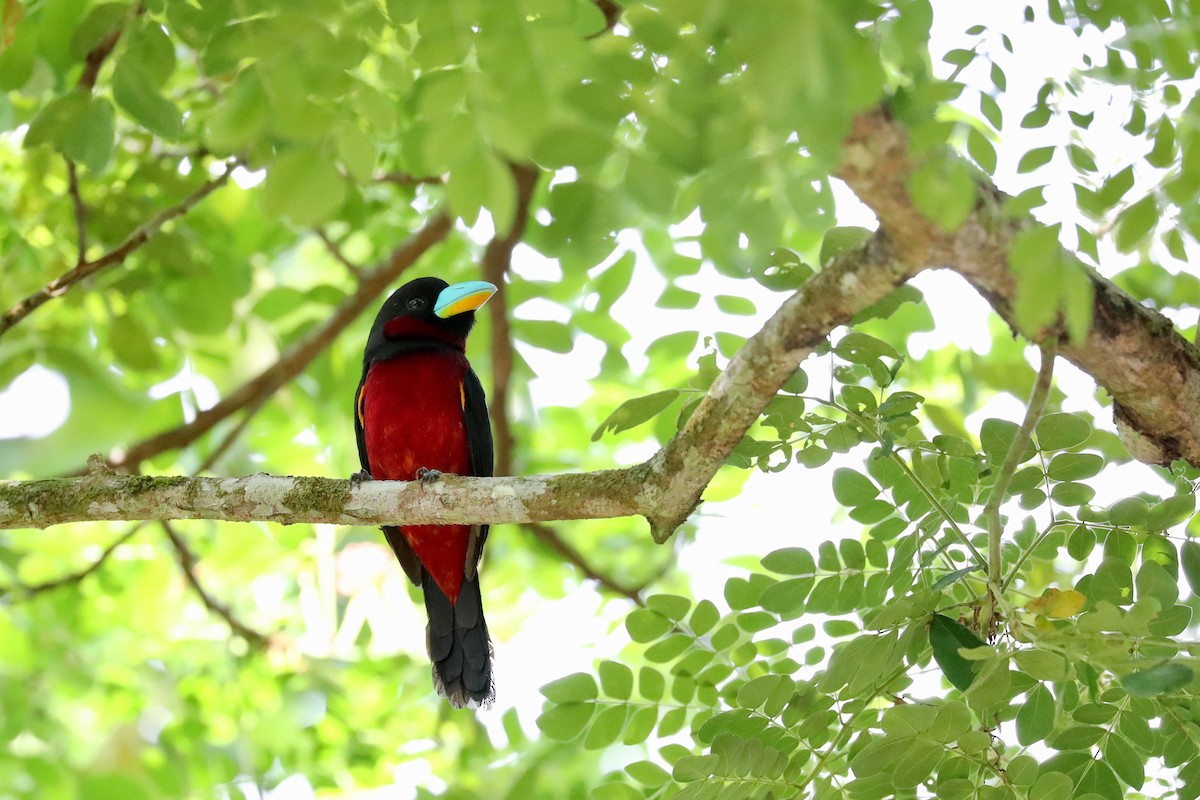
(416, 303)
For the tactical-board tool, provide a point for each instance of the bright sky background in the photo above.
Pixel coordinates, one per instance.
(766, 515)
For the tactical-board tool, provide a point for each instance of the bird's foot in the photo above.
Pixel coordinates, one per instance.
(428, 476)
(362, 476)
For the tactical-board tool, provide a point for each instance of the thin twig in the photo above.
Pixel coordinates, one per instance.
(335, 250)
(497, 259)
(612, 14)
(549, 537)
(139, 237)
(74, 577)
(187, 563)
(232, 436)
(96, 57)
(404, 179)
(373, 283)
(80, 211)
(1033, 412)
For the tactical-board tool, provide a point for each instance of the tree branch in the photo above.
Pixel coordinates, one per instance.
(497, 259)
(187, 563)
(549, 537)
(80, 211)
(84, 268)
(664, 490)
(335, 250)
(1033, 412)
(1135, 353)
(74, 577)
(371, 284)
(681, 470)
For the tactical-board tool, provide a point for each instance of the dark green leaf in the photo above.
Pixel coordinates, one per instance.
(1160, 679)
(946, 636)
(634, 412)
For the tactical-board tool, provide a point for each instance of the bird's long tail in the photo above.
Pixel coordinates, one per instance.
(459, 646)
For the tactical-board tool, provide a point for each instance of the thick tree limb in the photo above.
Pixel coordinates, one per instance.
(681, 470)
(84, 268)
(371, 285)
(664, 489)
(1135, 353)
(109, 496)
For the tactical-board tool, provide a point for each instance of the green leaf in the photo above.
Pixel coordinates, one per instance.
(842, 239)
(704, 617)
(1160, 679)
(136, 92)
(1113, 581)
(996, 437)
(860, 348)
(782, 271)
(672, 606)
(1131, 511)
(1189, 560)
(574, 688)
(606, 728)
(303, 186)
(1036, 258)
(851, 488)
(1036, 158)
(1098, 779)
(645, 625)
(1035, 719)
(132, 344)
(1074, 466)
(944, 191)
(641, 725)
(648, 774)
(1062, 431)
(1124, 760)
(1154, 581)
(616, 680)
(634, 412)
(1135, 223)
(615, 791)
(564, 723)
(553, 336)
(651, 684)
(946, 636)
(786, 597)
(796, 561)
(730, 304)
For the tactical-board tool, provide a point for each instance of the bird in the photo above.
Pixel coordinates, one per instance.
(420, 412)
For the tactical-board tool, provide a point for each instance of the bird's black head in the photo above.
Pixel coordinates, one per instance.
(426, 313)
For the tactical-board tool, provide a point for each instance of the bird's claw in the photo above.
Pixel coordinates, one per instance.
(428, 476)
(362, 476)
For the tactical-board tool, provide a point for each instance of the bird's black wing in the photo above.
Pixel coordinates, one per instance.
(479, 444)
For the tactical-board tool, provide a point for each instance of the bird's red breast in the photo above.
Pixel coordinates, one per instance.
(411, 409)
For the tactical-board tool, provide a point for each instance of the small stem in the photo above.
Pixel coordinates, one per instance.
(945, 514)
(1033, 412)
(80, 211)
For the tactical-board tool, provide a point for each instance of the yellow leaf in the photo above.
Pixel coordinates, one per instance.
(1057, 604)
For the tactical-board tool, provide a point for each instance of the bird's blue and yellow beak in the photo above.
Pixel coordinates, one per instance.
(460, 298)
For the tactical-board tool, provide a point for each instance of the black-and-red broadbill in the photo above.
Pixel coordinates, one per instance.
(419, 411)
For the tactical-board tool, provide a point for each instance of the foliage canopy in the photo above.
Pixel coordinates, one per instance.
(196, 198)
